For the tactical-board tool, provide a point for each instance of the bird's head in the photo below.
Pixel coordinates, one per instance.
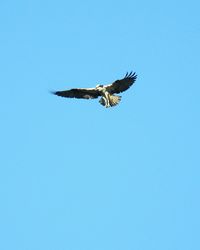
(99, 86)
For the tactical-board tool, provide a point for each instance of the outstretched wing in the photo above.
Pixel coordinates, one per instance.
(123, 84)
(89, 93)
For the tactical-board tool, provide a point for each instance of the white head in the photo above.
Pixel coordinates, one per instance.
(99, 87)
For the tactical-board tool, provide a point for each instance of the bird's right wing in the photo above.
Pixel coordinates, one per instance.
(85, 93)
(123, 84)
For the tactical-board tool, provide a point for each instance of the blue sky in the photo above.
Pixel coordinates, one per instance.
(75, 175)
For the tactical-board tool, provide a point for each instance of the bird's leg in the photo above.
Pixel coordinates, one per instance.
(106, 102)
(107, 99)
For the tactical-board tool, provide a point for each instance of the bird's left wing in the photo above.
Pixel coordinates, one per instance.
(85, 93)
(123, 84)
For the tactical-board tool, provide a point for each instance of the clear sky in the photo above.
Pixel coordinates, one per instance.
(77, 176)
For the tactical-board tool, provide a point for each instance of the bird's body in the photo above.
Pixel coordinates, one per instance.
(108, 99)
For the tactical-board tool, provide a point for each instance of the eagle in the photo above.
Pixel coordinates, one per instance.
(106, 92)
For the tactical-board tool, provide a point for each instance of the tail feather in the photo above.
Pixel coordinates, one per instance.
(113, 100)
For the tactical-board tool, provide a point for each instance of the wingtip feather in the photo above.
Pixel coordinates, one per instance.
(131, 75)
(52, 92)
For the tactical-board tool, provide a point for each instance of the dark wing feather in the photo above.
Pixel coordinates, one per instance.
(123, 84)
(88, 93)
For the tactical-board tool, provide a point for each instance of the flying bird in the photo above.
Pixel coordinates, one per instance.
(106, 92)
